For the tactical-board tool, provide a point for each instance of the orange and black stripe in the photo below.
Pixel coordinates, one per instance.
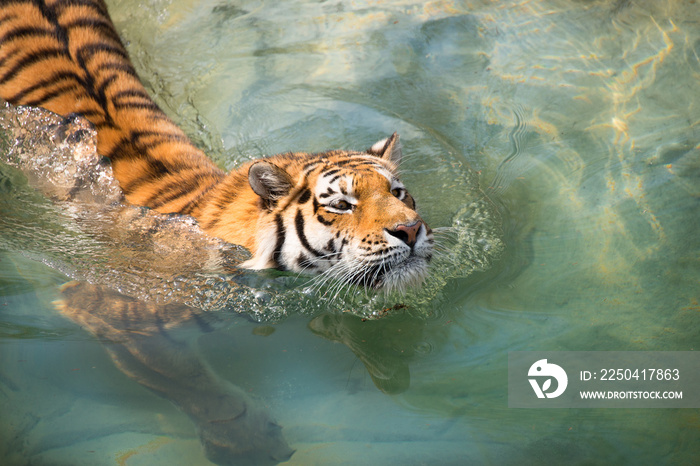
(66, 56)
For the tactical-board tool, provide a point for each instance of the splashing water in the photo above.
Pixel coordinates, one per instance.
(89, 234)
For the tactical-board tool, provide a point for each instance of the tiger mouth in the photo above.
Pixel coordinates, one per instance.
(369, 280)
(410, 271)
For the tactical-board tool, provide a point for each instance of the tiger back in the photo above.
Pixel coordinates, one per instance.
(67, 57)
(343, 214)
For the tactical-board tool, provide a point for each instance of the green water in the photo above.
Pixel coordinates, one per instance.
(582, 121)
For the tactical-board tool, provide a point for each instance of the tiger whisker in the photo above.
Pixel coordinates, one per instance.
(325, 258)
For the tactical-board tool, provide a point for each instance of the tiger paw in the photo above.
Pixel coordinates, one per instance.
(236, 431)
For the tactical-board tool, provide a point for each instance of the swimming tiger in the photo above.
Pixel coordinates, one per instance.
(344, 214)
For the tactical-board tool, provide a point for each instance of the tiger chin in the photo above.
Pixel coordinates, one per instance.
(341, 214)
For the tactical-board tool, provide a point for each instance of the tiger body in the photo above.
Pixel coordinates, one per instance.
(341, 213)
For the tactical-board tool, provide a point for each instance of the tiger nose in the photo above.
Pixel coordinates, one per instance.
(407, 233)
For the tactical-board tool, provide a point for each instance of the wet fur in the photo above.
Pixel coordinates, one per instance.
(66, 56)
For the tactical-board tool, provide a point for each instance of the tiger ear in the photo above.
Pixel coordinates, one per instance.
(269, 181)
(388, 149)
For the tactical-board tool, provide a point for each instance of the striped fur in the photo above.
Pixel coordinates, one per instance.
(344, 214)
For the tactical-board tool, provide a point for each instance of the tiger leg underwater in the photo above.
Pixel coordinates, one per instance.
(233, 428)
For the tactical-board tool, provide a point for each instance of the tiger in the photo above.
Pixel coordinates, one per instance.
(341, 214)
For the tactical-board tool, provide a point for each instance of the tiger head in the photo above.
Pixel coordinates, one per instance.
(345, 215)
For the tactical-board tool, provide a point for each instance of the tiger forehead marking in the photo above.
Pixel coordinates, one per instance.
(342, 214)
(334, 180)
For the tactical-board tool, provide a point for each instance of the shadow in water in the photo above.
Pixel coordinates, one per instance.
(384, 346)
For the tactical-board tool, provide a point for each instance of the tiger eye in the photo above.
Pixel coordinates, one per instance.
(396, 192)
(342, 205)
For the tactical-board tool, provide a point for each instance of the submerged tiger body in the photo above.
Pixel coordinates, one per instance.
(341, 213)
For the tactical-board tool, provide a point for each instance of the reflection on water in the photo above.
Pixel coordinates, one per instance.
(581, 119)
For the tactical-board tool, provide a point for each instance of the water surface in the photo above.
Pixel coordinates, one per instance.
(580, 121)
